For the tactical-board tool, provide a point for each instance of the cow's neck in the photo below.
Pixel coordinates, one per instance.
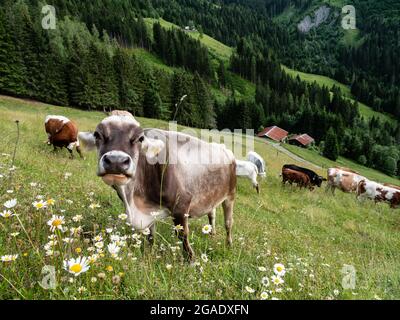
(148, 181)
(143, 193)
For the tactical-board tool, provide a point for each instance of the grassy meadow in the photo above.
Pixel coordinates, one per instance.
(313, 234)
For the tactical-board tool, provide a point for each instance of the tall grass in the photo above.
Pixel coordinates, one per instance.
(312, 233)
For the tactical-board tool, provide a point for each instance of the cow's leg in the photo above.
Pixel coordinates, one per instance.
(228, 215)
(211, 220)
(184, 235)
(71, 155)
(150, 237)
(78, 149)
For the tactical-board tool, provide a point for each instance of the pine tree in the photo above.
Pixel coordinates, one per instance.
(205, 116)
(331, 147)
(152, 101)
(221, 72)
(78, 74)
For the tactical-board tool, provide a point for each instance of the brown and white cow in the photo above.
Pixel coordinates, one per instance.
(293, 176)
(343, 179)
(62, 133)
(378, 192)
(157, 171)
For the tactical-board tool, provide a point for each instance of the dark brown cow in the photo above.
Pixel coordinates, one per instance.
(62, 133)
(300, 178)
(159, 173)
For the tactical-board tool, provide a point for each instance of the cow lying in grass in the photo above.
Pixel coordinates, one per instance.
(133, 161)
(62, 133)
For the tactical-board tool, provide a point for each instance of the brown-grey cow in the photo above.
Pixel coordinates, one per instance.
(167, 172)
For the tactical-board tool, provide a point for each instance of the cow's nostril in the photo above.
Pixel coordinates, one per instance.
(106, 160)
(126, 162)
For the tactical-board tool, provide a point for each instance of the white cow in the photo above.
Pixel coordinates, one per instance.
(249, 170)
(255, 158)
(378, 192)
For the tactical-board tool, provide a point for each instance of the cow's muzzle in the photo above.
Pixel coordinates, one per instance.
(116, 167)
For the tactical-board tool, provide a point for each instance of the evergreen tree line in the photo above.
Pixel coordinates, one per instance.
(85, 68)
(177, 49)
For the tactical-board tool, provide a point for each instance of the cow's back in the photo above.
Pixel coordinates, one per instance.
(204, 172)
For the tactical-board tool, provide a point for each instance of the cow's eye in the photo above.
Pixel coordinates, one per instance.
(134, 140)
(97, 136)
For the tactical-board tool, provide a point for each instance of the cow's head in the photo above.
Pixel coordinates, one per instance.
(318, 181)
(119, 140)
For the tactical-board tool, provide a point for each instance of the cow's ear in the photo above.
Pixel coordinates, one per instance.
(87, 140)
(152, 147)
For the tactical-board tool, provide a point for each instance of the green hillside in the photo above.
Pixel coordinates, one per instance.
(246, 88)
(219, 49)
(325, 81)
(314, 234)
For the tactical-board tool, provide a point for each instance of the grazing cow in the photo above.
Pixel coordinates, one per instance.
(158, 173)
(293, 176)
(342, 179)
(62, 133)
(255, 158)
(315, 179)
(249, 170)
(378, 192)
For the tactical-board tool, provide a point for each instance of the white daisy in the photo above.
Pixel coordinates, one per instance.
(99, 245)
(10, 203)
(178, 227)
(115, 238)
(207, 229)
(277, 280)
(204, 257)
(94, 206)
(9, 258)
(249, 289)
(123, 216)
(264, 296)
(98, 238)
(113, 249)
(6, 214)
(279, 269)
(265, 281)
(77, 218)
(56, 222)
(76, 266)
(39, 204)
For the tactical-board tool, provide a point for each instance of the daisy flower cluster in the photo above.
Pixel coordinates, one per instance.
(271, 285)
